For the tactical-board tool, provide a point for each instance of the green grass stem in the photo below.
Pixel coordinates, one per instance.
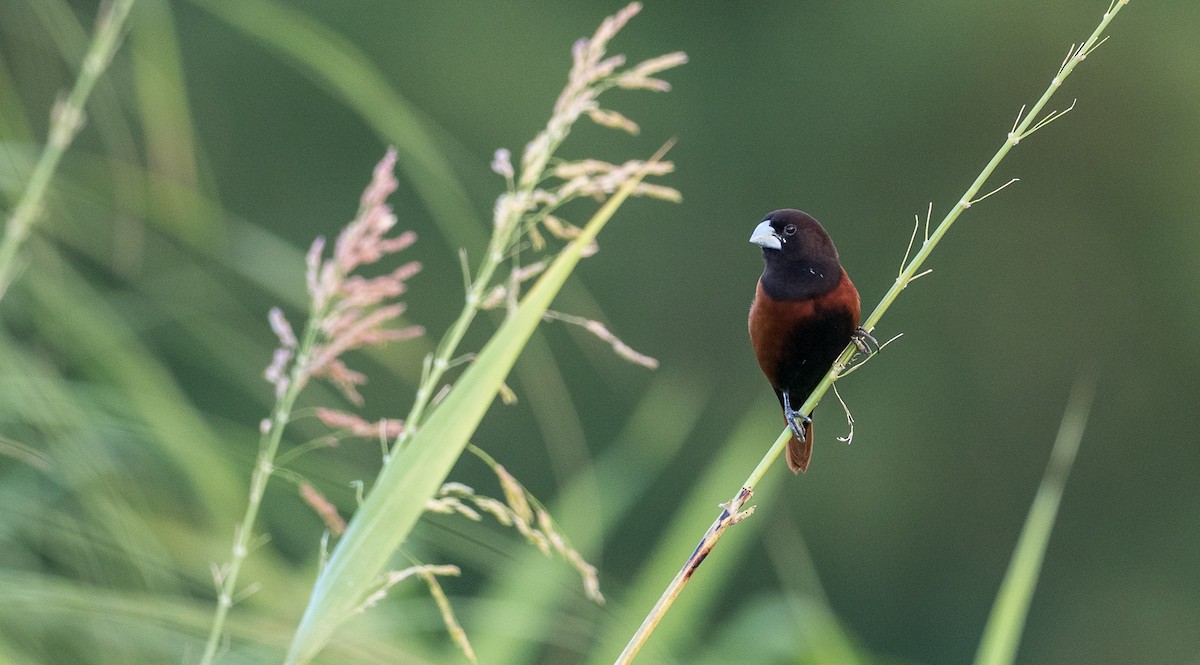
(264, 468)
(66, 119)
(1026, 124)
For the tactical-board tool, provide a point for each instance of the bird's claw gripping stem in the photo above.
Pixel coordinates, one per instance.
(865, 341)
(795, 419)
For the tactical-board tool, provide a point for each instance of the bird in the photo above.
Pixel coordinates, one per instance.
(805, 312)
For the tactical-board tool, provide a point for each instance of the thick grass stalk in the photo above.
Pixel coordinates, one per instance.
(65, 122)
(732, 510)
(414, 473)
(1002, 634)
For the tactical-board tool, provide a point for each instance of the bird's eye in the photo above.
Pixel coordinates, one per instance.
(790, 229)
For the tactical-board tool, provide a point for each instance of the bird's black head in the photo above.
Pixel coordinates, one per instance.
(799, 255)
(794, 236)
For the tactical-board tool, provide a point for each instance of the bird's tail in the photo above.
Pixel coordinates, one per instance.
(799, 453)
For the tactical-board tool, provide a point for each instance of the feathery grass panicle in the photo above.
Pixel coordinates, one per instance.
(527, 207)
(352, 311)
(444, 416)
(347, 311)
(545, 182)
(592, 73)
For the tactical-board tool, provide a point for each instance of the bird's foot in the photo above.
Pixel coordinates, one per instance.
(865, 342)
(798, 422)
(795, 419)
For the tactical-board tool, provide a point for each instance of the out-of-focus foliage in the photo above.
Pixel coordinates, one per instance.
(228, 134)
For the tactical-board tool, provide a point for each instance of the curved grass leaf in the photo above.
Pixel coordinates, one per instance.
(1002, 634)
(335, 62)
(411, 476)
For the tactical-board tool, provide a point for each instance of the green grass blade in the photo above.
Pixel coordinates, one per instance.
(335, 62)
(66, 119)
(411, 476)
(73, 315)
(1002, 634)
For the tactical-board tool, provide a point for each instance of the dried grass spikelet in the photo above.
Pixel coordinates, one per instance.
(519, 510)
(428, 573)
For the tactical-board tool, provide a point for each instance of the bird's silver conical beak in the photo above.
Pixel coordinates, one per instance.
(764, 236)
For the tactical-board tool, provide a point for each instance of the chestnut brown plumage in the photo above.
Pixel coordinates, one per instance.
(805, 312)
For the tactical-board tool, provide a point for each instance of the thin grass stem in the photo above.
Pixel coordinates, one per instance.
(446, 349)
(264, 468)
(910, 271)
(732, 510)
(66, 120)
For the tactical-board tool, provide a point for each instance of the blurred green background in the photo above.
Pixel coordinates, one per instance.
(228, 134)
